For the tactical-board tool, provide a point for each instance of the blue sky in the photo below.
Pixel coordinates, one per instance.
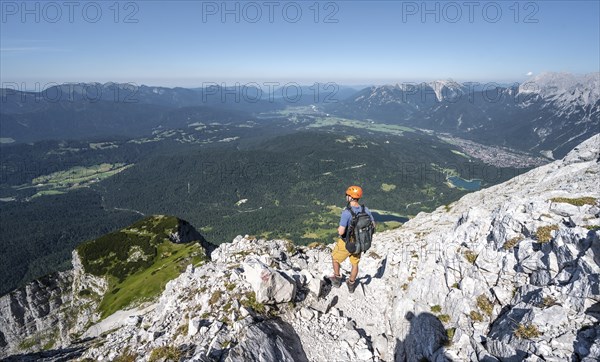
(186, 43)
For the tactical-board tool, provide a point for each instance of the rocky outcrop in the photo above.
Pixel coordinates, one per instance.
(271, 340)
(35, 314)
(50, 312)
(511, 270)
(270, 286)
(88, 291)
(186, 233)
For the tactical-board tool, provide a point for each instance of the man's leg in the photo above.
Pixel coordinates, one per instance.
(351, 283)
(354, 273)
(336, 278)
(336, 268)
(338, 255)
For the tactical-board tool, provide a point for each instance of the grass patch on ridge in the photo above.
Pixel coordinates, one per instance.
(577, 201)
(150, 282)
(544, 234)
(138, 261)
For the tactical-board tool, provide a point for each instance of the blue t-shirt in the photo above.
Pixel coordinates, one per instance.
(347, 217)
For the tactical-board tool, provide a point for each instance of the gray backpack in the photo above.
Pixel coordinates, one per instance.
(360, 231)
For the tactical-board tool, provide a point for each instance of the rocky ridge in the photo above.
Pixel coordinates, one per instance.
(509, 273)
(50, 311)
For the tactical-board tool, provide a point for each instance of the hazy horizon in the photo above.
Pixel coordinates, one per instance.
(37, 86)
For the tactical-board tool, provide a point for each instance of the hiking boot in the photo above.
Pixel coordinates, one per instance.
(335, 281)
(351, 285)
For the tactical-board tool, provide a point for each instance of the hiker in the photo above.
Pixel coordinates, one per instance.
(340, 252)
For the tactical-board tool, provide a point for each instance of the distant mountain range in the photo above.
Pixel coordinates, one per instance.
(84, 110)
(247, 97)
(78, 111)
(549, 113)
(128, 93)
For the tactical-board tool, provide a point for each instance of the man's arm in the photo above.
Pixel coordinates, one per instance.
(344, 221)
(372, 218)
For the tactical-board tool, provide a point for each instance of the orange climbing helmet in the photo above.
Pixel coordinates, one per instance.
(354, 192)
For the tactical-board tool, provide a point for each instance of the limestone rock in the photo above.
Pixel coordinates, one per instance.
(315, 285)
(270, 286)
(307, 314)
(272, 340)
